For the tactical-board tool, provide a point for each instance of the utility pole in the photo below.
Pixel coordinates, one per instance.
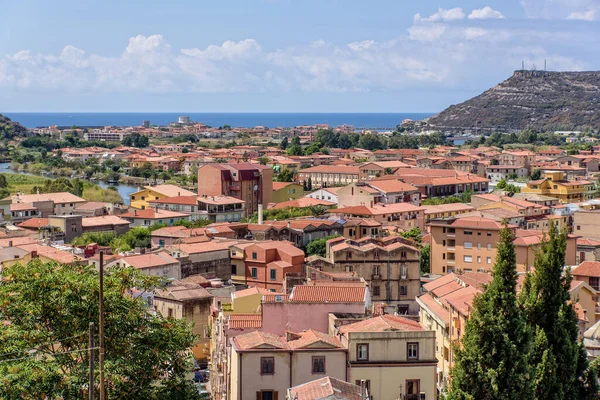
(91, 351)
(101, 328)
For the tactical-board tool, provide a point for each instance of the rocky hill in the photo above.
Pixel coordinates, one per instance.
(531, 99)
(10, 129)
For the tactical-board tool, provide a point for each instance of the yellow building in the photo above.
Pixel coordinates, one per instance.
(555, 184)
(285, 191)
(141, 198)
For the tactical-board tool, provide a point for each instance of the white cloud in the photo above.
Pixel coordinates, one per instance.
(426, 33)
(486, 13)
(474, 33)
(443, 15)
(589, 15)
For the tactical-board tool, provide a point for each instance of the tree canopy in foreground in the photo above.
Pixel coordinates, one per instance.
(47, 308)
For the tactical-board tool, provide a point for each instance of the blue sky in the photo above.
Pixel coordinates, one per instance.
(280, 55)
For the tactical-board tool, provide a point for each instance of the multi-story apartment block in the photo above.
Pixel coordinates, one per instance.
(394, 355)
(516, 158)
(141, 199)
(469, 244)
(379, 191)
(267, 263)
(404, 215)
(251, 183)
(555, 184)
(329, 175)
(389, 265)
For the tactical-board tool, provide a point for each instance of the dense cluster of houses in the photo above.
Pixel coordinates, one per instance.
(360, 318)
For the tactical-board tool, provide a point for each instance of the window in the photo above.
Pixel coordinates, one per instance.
(233, 269)
(170, 312)
(402, 309)
(254, 272)
(293, 190)
(595, 282)
(273, 274)
(362, 352)
(132, 197)
(318, 365)
(478, 260)
(403, 290)
(254, 256)
(478, 246)
(267, 365)
(412, 351)
(376, 291)
(172, 220)
(578, 227)
(412, 390)
(489, 246)
(489, 233)
(348, 255)
(402, 254)
(468, 245)
(468, 232)
(468, 259)
(489, 260)
(367, 384)
(161, 243)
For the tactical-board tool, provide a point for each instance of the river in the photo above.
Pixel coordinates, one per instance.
(123, 190)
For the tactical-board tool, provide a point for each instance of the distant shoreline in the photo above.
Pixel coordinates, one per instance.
(271, 120)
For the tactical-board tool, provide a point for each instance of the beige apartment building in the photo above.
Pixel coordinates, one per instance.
(586, 223)
(394, 355)
(328, 175)
(389, 265)
(389, 191)
(468, 244)
(263, 365)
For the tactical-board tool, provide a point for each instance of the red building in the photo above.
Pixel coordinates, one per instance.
(266, 263)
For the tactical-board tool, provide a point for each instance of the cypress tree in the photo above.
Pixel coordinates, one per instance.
(492, 362)
(561, 368)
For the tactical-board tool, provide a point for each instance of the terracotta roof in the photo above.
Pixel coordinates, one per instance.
(149, 260)
(244, 321)
(313, 340)
(171, 231)
(57, 198)
(170, 190)
(587, 268)
(183, 291)
(303, 202)
(587, 242)
(328, 294)
(447, 288)
(477, 223)
(103, 220)
(462, 299)
(443, 208)
(219, 200)
(260, 340)
(60, 256)
(34, 223)
(22, 207)
(439, 282)
(92, 205)
(383, 323)
(17, 241)
(379, 209)
(150, 213)
(435, 307)
(249, 292)
(326, 388)
(204, 247)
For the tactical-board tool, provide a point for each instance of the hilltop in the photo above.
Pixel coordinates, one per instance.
(531, 99)
(9, 128)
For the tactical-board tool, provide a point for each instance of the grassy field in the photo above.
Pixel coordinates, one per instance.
(91, 192)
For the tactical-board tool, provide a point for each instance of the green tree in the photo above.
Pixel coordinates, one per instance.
(501, 184)
(44, 346)
(263, 160)
(309, 184)
(318, 247)
(285, 176)
(561, 366)
(284, 143)
(413, 234)
(492, 362)
(424, 259)
(370, 141)
(317, 210)
(3, 182)
(536, 174)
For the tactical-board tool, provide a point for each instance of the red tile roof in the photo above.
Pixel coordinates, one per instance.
(153, 214)
(34, 223)
(260, 340)
(328, 294)
(313, 340)
(244, 321)
(185, 200)
(435, 307)
(149, 260)
(383, 323)
(303, 202)
(587, 268)
(326, 388)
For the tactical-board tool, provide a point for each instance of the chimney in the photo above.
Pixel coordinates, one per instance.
(135, 212)
(289, 224)
(34, 254)
(260, 214)
(10, 243)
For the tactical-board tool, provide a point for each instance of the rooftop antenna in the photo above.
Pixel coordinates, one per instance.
(522, 65)
(544, 65)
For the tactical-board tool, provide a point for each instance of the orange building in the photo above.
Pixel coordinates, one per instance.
(267, 263)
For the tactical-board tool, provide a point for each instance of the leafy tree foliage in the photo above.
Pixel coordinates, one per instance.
(136, 140)
(424, 259)
(561, 367)
(284, 143)
(536, 174)
(492, 363)
(318, 247)
(101, 238)
(44, 347)
(74, 186)
(285, 176)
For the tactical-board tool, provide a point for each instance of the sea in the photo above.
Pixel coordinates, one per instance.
(376, 121)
